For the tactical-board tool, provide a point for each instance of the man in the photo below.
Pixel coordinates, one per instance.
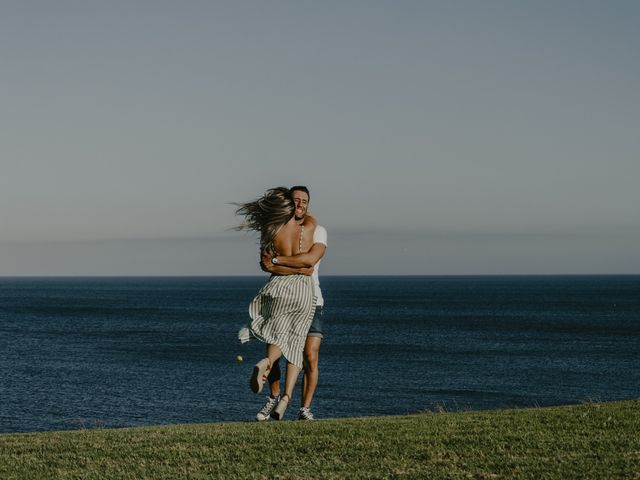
(298, 264)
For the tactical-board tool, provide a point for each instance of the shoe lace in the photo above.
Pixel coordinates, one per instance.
(306, 413)
(271, 402)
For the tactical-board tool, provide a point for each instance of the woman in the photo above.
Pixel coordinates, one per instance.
(282, 311)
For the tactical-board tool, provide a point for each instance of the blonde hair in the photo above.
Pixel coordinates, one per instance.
(267, 215)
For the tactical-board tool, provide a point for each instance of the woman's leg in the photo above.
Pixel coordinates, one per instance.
(273, 353)
(291, 379)
(289, 385)
(274, 376)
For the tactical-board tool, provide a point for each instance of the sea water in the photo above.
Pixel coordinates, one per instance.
(114, 352)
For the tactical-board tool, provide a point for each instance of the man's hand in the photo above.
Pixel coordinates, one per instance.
(308, 271)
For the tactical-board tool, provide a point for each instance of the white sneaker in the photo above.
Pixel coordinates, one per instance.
(265, 412)
(305, 414)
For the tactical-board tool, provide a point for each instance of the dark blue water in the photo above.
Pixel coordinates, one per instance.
(85, 352)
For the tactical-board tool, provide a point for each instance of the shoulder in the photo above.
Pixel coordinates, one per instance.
(310, 220)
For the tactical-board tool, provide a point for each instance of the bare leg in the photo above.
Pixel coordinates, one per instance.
(273, 353)
(274, 385)
(274, 377)
(291, 379)
(310, 380)
(289, 385)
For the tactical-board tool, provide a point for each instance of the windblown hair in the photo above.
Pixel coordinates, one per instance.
(267, 215)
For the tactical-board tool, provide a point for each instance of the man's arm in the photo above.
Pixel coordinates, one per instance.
(308, 259)
(282, 270)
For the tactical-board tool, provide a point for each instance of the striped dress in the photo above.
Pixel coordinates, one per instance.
(282, 312)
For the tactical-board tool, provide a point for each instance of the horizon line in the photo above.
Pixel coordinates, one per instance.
(340, 275)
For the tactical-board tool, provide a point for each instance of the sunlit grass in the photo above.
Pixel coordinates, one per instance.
(591, 441)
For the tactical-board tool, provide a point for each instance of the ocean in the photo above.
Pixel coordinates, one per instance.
(132, 351)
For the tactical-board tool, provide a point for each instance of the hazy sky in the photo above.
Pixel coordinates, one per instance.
(437, 137)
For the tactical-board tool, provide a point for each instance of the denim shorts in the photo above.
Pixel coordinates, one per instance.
(316, 324)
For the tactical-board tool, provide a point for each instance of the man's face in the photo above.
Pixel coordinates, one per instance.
(301, 199)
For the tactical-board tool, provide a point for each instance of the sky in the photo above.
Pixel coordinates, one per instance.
(437, 138)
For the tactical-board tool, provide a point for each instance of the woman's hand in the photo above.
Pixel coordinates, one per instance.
(265, 262)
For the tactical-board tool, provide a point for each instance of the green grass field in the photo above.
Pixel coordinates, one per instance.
(592, 441)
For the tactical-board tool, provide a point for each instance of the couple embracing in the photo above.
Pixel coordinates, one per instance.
(286, 314)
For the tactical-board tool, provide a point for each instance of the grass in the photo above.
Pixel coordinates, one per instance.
(590, 441)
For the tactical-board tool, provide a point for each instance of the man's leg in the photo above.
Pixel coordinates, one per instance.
(310, 380)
